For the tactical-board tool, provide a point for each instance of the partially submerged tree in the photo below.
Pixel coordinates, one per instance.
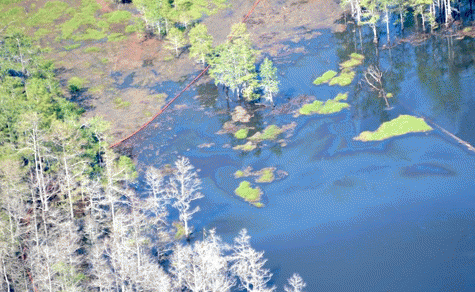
(269, 82)
(175, 40)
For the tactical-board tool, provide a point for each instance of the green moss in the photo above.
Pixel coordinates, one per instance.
(355, 60)
(270, 133)
(332, 106)
(341, 96)
(266, 175)
(91, 50)
(115, 37)
(258, 204)
(48, 14)
(308, 109)
(72, 47)
(239, 174)
(325, 77)
(389, 95)
(117, 16)
(130, 28)
(344, 79)
(90, 34)
(120, 103)
(399, 126)
(249, 146)
(247, 193)
(241, 134)
(76, 84)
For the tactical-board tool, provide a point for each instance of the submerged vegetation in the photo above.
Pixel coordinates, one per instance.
(401, 125)
(329, 107)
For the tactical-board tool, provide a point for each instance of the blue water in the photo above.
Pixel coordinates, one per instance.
(395, 215)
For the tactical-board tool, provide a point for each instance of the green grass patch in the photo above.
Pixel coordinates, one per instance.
(266, 175)
(117, 16)
(270, 133)
(115, 37)
(325, 77)
(249, 146)
(341, 96)
(247, 193)
(258, 204)
(48, 14)
(90, 34)
(130, 28)
(104, 60)
(16, 13)
(399, 126)
(120, 103)
(241, 133)
(344, 79)
(41, 32)
(332, 106)
(85, 16)
(104, 25)
(91, 50)
(311, 108)
(76, 84)
(355, 60)
(72, 47)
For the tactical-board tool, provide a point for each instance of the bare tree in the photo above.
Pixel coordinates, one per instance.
(249, 264)
(373, 77)
(203, 266)
(184, 186)
(296, 284)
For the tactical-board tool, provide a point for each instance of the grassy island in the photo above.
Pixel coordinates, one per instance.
(247, 193)
(327, 76)
(266, 175)
(241, 133)
(401, 125)
(249, 146)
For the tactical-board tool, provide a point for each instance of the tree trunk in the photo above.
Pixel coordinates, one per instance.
(387, 23)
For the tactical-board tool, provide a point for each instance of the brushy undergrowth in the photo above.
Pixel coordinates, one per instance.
(401, 125)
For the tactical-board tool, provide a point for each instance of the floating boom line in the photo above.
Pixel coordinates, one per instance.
(181, 92)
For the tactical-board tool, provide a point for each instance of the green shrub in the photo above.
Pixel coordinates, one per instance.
(75, 84)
